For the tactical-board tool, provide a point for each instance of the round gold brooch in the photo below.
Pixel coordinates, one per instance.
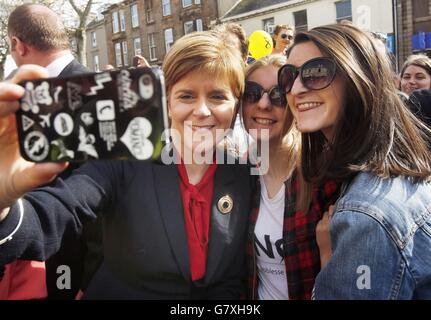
(225, 204)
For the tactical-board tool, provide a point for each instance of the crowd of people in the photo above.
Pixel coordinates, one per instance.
(340, 209)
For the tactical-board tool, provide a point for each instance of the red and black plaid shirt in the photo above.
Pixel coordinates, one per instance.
(301, 253)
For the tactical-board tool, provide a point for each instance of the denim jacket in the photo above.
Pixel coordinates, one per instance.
(381, 242)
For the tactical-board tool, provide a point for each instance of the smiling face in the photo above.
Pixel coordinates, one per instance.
(314, 110)
(262, 114)
(282, 39)
(415, 78)
(198, 106)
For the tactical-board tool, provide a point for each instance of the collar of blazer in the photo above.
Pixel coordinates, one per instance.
(170, 203)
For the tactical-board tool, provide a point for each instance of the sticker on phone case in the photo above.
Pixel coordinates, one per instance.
(57, 92)
(35, 96)
(108, 132)
(135, 138)
(27, 123)
(86, 143)
(105, 110)
(46, 120)
(60, 149)
(100, 79)
(36, 146)
(87, 118)
(74, 95)
(127, 97)
(146, 87)
(63, 124)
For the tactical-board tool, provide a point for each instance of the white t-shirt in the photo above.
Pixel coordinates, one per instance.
(268, 245)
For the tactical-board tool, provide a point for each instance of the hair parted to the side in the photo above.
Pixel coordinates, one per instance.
(39, 27)
(204, 51)
(418, 60)
(374, 132)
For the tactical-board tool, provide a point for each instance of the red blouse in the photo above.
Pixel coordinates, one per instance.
(197, 201)
(24, 280)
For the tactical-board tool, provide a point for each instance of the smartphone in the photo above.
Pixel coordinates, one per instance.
(119, 114)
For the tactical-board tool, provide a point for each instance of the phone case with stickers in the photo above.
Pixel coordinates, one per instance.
(110, 115)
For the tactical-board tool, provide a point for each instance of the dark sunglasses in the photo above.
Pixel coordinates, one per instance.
(254, 92)
(288, 36)
(315, 74)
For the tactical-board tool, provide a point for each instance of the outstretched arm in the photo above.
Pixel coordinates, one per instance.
(18, 176)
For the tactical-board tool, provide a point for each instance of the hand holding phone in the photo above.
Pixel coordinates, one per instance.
(110, 115)
(16, 175)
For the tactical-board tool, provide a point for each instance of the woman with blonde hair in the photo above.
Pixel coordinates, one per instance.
(283, 254)
(356, 130)
(171, 231)
(415, 74)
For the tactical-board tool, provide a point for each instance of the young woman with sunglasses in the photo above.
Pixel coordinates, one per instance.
(282, 38)
(282, 249)
(355, 129)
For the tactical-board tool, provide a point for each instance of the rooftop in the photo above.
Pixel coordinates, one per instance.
(245, 6)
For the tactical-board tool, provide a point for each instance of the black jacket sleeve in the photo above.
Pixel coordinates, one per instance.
(57, 211)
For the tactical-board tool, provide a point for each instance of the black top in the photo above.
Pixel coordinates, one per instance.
(420, 104)
(145, 244)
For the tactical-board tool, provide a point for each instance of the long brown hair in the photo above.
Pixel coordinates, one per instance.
(374, 132)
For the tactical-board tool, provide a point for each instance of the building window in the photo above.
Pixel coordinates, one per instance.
(96, 65)
(421, 9)
(122, 21)
(137, 46)
(187, 3)
(199, 26)
(197, 1)
(188, 27)
(301, 22)
(93, 39)
(166, 6)
(135, 15)
(149, 11)
(115, 24)
(169, 39)
(268, 24)
(344, 10)
(152, 46)
(125, 53)
(118, 60)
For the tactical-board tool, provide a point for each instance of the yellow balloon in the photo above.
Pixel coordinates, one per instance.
(259, 44)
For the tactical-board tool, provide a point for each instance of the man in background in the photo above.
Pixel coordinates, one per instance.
(37, 36)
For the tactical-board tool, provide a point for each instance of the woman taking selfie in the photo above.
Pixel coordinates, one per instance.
(170, 231)
(356, 130)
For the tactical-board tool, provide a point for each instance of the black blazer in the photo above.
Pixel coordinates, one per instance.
(145, 245)
(420, 105)
(73, 68)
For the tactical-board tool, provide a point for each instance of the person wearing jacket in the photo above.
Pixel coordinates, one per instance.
(356, 129)
(171, 231)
